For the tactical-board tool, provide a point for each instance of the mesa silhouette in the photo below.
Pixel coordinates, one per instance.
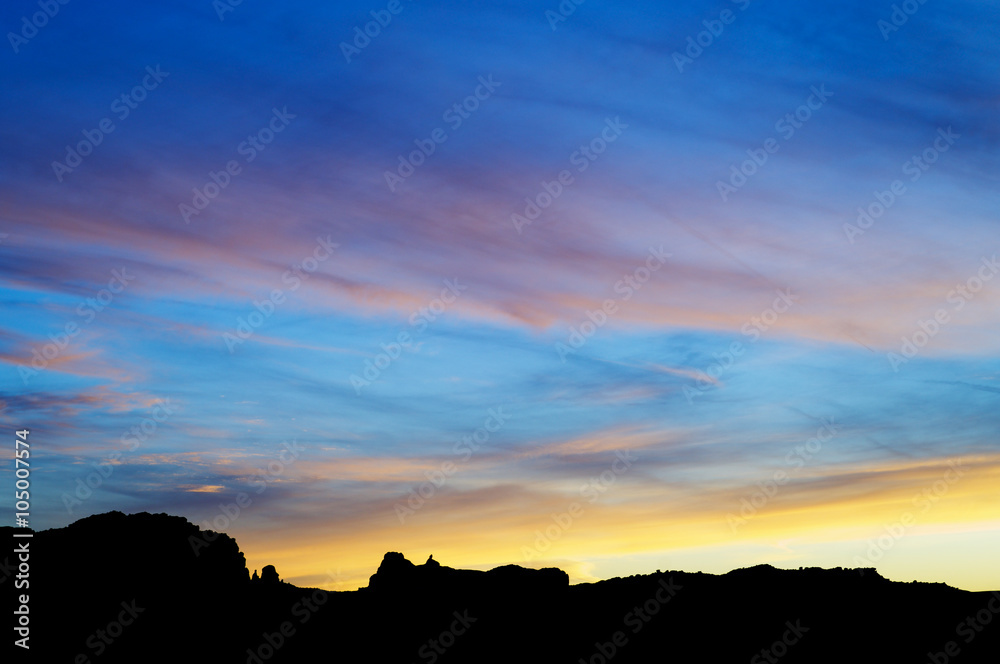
(156, 588)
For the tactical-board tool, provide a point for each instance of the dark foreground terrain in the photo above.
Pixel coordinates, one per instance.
(129, 588)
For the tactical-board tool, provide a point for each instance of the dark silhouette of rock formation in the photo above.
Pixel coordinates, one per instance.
(155, 588)
(397, 575)
(269, 575)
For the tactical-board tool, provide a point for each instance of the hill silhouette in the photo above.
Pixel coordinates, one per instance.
(156, 588)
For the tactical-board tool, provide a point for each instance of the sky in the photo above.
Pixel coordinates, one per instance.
(608, 286)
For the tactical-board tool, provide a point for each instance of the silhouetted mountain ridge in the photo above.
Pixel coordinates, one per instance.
(397, 574)
(154, 587)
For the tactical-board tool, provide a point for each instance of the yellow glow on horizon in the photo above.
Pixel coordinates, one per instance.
(800, 525)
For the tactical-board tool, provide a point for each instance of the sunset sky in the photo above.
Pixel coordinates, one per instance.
(642, 286)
